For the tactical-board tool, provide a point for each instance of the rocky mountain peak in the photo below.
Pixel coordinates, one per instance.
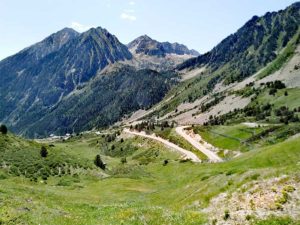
(144, 38)
(148, 46)
(51, 43)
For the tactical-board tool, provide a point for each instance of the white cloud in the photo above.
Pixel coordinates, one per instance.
(129, 10)
(127, 16)
(80, 27)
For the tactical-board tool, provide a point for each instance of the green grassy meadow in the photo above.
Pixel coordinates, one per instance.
(142, 191)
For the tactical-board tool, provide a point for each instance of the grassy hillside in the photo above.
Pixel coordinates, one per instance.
(142, 190)
(232, 137)
(290, 100)
(20, 157)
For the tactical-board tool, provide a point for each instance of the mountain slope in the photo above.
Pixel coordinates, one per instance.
(52, 71)
(102, 102)
(15, 65)
(263, 44)
(253, 46)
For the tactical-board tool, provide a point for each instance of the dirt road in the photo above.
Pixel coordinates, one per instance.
(201, 146)
(186, 154)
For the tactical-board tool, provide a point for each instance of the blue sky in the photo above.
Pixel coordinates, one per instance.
(200, 24)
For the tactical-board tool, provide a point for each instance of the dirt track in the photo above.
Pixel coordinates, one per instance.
(186, 154)
(213, 157)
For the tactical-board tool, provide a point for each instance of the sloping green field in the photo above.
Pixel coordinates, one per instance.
(137, 193)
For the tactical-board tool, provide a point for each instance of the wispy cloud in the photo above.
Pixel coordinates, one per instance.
(129, 11)
(127, 16)
(80, 27)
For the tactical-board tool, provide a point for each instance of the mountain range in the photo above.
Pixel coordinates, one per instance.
(39, 80)
(73, 81)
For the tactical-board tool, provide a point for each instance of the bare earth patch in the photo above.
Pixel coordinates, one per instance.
(228, 104)
(288, 74)
(186, 75)
(277, 196)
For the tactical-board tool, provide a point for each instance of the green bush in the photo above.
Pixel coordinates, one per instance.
(283, 198)
(226, 215)
(248, 217)
(289, 188)
(123, 160)
(3, 176)
(255, 176)
(68, 181)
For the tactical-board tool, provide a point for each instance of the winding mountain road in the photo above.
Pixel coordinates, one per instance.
(186, 154)
(213, 157)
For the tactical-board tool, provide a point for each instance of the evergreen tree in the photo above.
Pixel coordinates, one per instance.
(3, 129)
(166, 162)
(44, 152)
(99, 163)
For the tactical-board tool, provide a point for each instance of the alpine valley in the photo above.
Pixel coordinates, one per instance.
(98, 132)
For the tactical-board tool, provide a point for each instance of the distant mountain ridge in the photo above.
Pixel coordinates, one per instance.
(161, 56)
(148, 46)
